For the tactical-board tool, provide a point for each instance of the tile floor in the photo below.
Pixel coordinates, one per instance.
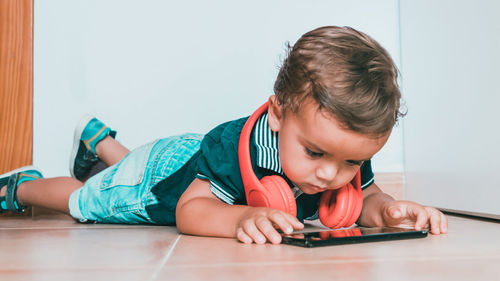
(57, 248)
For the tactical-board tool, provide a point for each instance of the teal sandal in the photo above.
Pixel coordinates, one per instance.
(83, 158)
(11, 181)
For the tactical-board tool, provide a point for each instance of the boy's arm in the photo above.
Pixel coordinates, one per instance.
(380, 209)
(199, 212)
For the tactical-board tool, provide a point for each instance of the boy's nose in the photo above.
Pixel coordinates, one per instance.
(327, 173)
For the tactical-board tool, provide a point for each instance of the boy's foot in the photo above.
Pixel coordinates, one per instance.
(8, 187)
(88, 133)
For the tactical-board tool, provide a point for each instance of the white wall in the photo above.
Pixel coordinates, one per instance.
(450, 55)
(156, 68)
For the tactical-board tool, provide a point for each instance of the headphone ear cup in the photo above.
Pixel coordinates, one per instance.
(333, 207)
(276, 193)
(356, 200)
(342, 207)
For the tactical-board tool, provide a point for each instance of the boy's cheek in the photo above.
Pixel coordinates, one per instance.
(296, 172)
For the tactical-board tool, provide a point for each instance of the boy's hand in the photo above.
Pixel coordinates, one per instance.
(410, 214)
(259, 225)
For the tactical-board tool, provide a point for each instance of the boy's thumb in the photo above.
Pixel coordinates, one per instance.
(396, 214)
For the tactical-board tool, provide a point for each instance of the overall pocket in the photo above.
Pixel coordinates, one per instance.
(130, 170)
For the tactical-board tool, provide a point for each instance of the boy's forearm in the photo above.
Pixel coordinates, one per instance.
(209, 217)
(371, 215)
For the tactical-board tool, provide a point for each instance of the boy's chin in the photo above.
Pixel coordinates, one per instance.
(310, 190)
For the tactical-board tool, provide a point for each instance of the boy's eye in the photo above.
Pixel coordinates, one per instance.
(313, 154)
(354, 163)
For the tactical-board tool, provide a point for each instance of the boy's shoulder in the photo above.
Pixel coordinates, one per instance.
(228, 131)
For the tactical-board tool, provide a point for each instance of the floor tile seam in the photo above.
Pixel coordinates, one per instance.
(165, 259)
(340, 261)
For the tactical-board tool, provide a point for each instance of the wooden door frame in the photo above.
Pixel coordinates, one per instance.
(16, 84)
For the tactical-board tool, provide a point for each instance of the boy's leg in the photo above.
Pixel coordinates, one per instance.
(26, 187)
(110, 151)
(51, 193)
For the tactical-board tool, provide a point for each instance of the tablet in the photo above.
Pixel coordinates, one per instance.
(351, 235)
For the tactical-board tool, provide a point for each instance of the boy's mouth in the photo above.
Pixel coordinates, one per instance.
(315, 188)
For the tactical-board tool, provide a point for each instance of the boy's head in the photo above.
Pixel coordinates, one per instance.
(347, 73)
(336, 101)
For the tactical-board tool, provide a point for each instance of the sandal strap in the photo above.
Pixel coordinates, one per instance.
(10, 195)
(90, 156)
(3, 183)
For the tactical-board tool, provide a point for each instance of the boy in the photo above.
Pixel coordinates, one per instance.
(336, 101)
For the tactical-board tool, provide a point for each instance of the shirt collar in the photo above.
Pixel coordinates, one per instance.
(266, 142)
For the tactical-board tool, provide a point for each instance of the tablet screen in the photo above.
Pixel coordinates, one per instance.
(350, 235)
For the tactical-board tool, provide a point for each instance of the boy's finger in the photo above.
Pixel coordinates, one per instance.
(265, 227)
(252, 231)
(444, 223)
(296, 224)
(422, 218)
(434, 220)
(242, 236)
(281, 222)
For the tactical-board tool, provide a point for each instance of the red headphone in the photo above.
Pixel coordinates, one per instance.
(337, 208)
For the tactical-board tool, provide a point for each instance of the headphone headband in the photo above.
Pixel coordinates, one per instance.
(249, 179)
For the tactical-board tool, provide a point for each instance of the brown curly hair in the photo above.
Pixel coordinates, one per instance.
(347, 73)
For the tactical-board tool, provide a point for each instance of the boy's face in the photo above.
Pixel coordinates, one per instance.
(316, 153)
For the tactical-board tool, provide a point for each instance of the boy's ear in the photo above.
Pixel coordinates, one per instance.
(275, 115)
